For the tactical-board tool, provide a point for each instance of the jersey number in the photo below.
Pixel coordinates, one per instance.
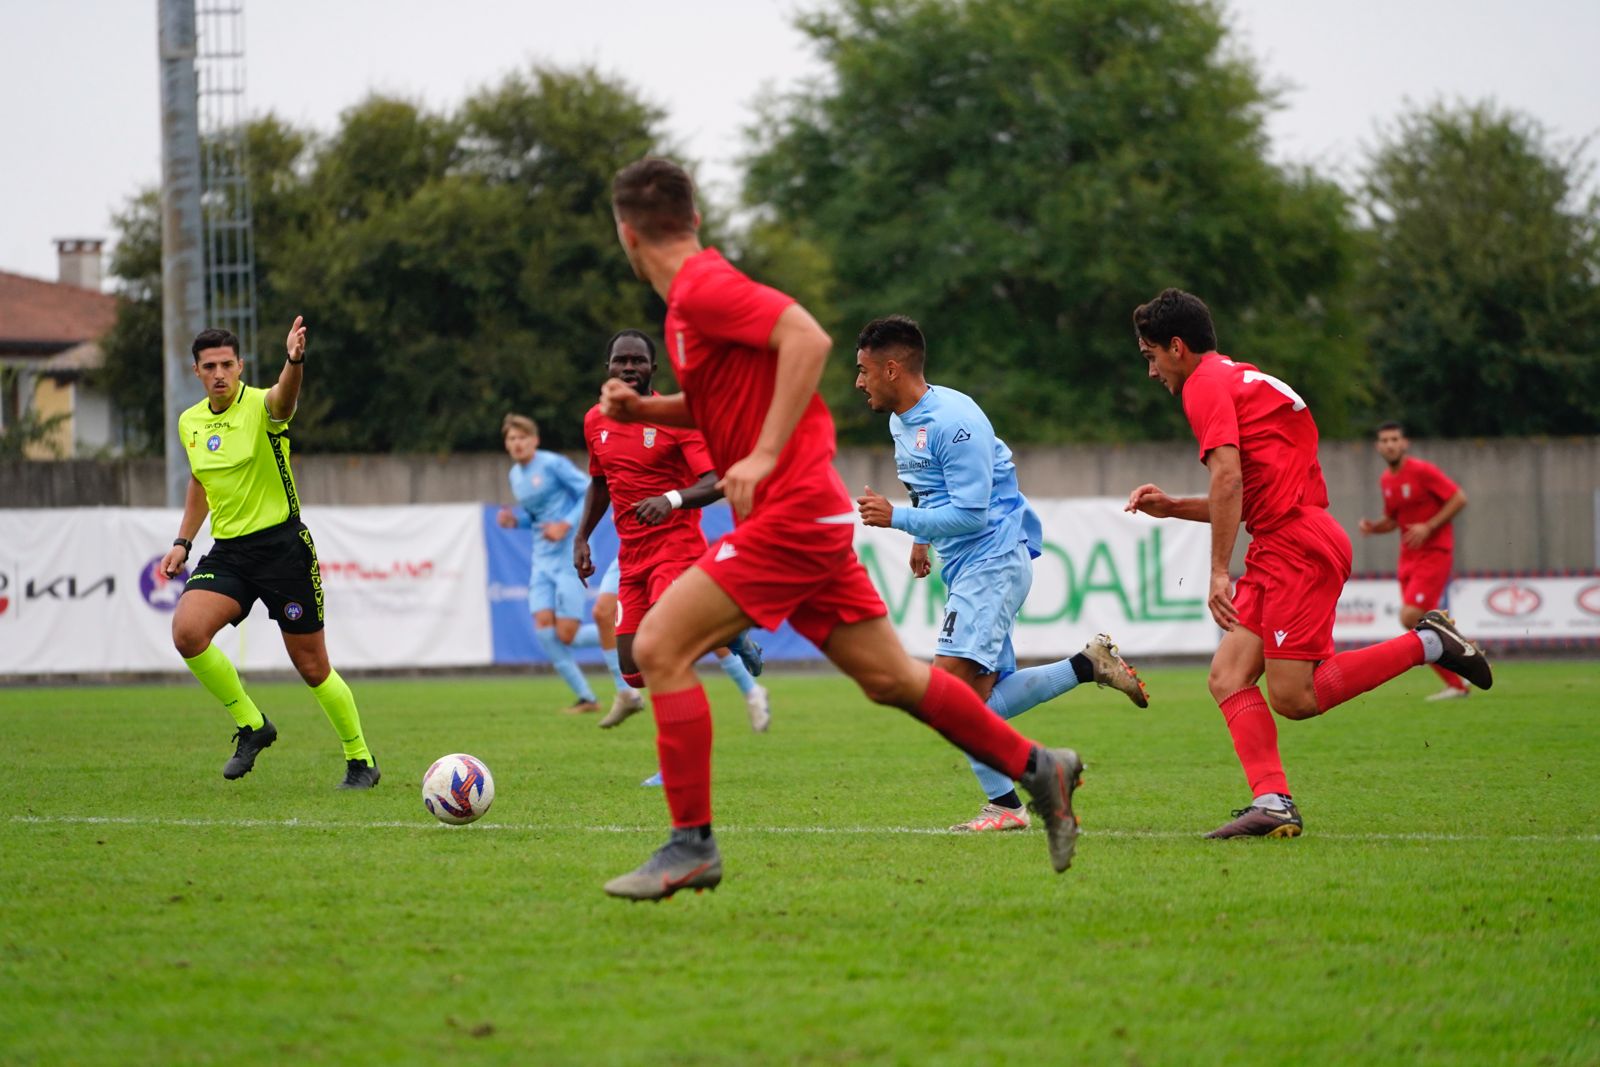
(949, 624)
(1278, 384)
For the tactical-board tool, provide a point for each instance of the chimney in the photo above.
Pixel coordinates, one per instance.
(79, 261)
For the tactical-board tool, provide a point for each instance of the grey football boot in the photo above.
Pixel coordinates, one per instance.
(1114, 672)
(1056, 773)
(686, 861)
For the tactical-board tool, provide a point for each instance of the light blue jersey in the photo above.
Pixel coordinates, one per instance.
(964, 494)
(549, 488)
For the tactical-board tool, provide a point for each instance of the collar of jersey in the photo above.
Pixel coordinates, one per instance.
(236, 398)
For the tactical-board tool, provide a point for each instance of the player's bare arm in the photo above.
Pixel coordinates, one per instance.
(921, 565)
(1226, 502)
(1416, 535)
(195, 509)
(596, 501)
(875, 508)
(619, 400)
(653, 510)
(1382, 526)
(284, 396)
(1153, 501)
(802, 347)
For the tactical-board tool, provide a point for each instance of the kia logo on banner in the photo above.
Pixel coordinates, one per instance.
(1512, 599)
(1588, 598)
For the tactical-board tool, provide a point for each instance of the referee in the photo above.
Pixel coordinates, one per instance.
(237, 439)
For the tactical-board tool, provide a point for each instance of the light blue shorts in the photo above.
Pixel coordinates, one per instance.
(982, 607)
(556, 588)
(613, 579)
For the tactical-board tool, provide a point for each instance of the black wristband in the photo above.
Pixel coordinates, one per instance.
(294, 361)
(188, 546)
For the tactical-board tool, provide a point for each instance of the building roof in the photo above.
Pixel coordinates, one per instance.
(44, 317)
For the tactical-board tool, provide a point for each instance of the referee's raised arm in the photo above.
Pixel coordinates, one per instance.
(283, 397)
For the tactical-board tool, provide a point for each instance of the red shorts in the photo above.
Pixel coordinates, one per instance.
(639, 587)
(781, 566)
(1424, 578)
(1292, 580)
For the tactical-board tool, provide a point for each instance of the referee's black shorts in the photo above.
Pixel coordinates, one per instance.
(277, 566)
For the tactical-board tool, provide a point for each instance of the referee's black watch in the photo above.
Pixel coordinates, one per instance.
(188, 545)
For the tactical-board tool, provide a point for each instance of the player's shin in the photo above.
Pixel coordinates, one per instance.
(683, 747)
(560, 657)
(214, 671)
(952, 708)
(1349, 674)
(1255, 740)
(339, 705)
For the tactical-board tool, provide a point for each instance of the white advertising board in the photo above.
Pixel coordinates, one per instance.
(79, 590)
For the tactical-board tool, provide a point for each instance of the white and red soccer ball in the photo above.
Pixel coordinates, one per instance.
(457, 788)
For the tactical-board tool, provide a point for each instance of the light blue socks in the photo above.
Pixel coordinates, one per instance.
(1015, 694)
(734, 668)
(614, 665)
(560, 657)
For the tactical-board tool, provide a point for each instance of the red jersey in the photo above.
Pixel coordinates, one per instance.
(639, 461)
(1230, 403)
(1414, 494)
(718, 326)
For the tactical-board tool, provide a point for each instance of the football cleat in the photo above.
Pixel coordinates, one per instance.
(627, 702)
(744, 646)
(1262, 822)
(755, 702)
(1056, 774)
(1449, 692)
(653, 781)
(251, 742)
(686, 861)
(581, 707)
(1460, 655)
(993, 817)
(1111, 671)
(359, 774)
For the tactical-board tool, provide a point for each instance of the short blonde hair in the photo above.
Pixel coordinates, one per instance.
(518, 422)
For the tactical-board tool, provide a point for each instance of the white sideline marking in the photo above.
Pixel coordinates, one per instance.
(422, 823)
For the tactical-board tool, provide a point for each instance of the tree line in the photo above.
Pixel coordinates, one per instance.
(1015, 174)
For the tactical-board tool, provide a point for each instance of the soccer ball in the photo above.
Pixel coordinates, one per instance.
(457, 788)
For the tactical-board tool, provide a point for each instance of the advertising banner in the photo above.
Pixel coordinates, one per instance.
(1556, 609)
(80, 590)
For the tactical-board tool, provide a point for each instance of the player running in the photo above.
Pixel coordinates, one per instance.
(237, 440)
(655, 479)
(549, 491)
(965, 502)
(1420, 500)
(749, 360)
(1259, 442)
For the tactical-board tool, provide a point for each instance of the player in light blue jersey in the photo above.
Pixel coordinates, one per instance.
(549, 492)
(965, 502)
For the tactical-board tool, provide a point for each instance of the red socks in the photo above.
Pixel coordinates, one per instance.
(1349, 674)
(1255, 740)
(683, 747)
(953, 709)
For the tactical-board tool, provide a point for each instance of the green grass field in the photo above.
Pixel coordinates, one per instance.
(1443, 907)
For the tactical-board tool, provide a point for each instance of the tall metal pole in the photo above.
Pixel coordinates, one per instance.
(183, 297)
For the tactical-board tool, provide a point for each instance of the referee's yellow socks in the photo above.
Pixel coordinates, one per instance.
(339, 704)
(216, 673)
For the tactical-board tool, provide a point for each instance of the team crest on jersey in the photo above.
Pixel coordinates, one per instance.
(1405, 491)
(922, 437)
(603, 435)
(214, 442)
(649, 437)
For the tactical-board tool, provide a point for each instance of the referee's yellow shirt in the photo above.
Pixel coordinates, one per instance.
(241, 458)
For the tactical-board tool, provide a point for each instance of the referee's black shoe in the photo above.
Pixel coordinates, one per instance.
(359, 774)
(251, 742)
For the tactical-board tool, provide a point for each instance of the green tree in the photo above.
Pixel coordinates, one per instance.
(451, 267)
(1484, 287)
(1018, 174)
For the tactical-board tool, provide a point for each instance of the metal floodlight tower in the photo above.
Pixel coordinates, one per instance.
(208, 272)
(182, 257)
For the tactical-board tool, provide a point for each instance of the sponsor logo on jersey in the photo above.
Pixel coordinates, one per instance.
(1280, 635)
(214, 442)
(603, 435)
(649, 437)
(961, 435)
(922, 437)
(725, 551)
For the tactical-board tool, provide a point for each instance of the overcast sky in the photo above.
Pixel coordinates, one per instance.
(79, 95)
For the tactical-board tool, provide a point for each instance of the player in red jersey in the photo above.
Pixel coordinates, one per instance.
(1259, 442)
(655, 479)
(748, 359)
(1420, 501)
